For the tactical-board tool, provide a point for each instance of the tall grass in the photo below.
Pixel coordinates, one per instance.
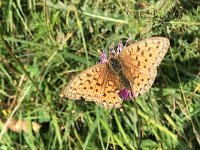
(45, 43)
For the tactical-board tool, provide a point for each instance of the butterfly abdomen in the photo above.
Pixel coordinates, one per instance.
(117, 68)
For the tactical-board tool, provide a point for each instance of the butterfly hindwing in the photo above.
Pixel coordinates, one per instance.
(110, 97)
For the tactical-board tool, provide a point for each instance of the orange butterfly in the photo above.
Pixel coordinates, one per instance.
(125, 74)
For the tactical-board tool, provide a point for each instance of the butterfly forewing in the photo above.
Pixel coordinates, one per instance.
(140, 60)
(98, 84)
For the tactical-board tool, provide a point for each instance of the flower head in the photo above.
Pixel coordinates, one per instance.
(111, 52)
(120, 47)
(103, 57)
(126, 94)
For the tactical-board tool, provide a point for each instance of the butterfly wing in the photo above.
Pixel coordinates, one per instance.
(98, 83)
(140, 61)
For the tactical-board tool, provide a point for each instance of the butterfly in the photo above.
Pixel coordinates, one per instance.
(125, 74)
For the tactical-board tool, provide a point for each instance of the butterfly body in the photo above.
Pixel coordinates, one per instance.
(128, 73)
(116, 66)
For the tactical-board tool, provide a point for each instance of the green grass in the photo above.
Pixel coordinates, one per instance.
(47, 43)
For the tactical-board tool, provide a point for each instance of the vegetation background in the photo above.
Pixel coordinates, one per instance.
(45, 43)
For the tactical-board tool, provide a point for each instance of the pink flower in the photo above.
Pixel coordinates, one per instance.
(103, 57)
(126, 94)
